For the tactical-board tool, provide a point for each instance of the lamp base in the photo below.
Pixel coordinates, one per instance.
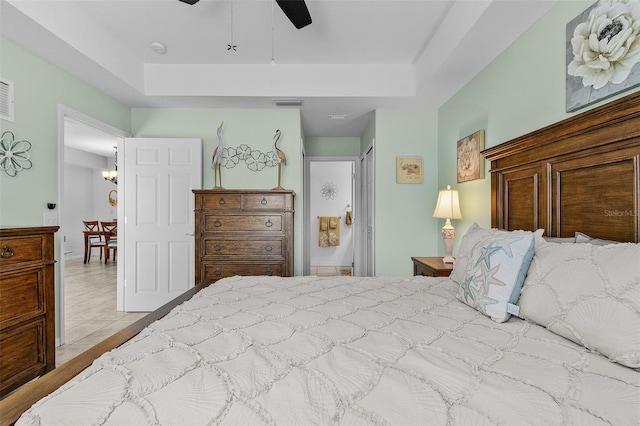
(448, 237)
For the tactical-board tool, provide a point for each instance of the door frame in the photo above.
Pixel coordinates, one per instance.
(65, 112)
(355, 195)
(366, 215)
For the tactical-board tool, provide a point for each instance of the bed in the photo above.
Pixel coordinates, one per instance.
(414, 350)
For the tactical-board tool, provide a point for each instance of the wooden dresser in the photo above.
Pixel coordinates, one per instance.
(243, 232)
(27, 321)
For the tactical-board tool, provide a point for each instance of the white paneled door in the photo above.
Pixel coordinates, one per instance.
(159, 176)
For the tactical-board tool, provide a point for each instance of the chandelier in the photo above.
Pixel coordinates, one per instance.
(112, 175)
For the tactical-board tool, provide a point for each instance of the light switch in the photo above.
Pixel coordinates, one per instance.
(50, 219)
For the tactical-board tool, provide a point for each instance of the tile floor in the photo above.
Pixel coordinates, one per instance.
(90, 306)
(328, 271)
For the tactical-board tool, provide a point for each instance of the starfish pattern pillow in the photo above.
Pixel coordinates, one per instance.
(496, 269)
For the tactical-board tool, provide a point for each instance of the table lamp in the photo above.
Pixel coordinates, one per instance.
(448, 207)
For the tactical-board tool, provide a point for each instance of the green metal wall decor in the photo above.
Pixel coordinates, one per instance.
(14, 154)
(254, 159)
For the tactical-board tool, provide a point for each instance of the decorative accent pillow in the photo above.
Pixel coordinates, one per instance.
(474, 235)
(496, 269)
(589, 294)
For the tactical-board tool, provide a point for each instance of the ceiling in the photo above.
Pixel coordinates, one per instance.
(356, 56)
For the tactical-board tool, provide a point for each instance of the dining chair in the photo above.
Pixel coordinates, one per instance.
(93, 241)
(110, 230)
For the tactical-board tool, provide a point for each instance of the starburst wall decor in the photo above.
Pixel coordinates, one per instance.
(329, 190)
(14, 154)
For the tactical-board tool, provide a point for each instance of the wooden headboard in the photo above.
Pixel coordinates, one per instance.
(581, 174)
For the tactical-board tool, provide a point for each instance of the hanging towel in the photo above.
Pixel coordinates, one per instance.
(323, 231)
(334, 231)
(349, 219)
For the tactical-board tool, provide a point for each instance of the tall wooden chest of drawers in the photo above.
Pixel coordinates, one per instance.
(243, 232)
(27, 322)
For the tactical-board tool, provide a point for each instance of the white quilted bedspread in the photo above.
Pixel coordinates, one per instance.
(342, 350)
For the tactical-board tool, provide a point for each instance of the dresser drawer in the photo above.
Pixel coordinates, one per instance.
(23, 354)
(265, 202)
(21, 296)
(222, 201)
(242, 223)
(254, 247)
(21, 249)
(213, 271)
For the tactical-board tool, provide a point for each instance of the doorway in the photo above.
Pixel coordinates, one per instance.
(79, 179)
(330, 200)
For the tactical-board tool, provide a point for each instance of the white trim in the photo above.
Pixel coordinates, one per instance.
(65, 112)
(355, 196)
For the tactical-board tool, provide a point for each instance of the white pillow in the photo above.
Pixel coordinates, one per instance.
(589, 294)
(585, 239)
(496, 269)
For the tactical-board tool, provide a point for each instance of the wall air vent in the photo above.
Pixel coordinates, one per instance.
(6, 100)
(287, 101)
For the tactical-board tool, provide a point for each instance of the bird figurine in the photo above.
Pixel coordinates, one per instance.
(279, 155)
(217, 157)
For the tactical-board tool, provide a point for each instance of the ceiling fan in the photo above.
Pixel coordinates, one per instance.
(296, 11)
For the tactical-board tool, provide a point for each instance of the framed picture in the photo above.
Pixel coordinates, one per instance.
(614, 67)
(409, 170)
(470, 162)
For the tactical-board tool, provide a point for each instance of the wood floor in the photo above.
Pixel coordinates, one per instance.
(90, 306)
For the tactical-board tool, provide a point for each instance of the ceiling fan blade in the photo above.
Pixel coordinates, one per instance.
(296, 11)
(191, 2)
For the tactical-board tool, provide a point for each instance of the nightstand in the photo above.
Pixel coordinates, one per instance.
(431, 267)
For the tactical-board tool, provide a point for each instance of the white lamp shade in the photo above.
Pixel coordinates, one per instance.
(448, 206)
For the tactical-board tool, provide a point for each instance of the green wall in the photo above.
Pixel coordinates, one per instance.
(39, 88)
(520, 91)
(252, 127)
(404, 226)
(332, 147)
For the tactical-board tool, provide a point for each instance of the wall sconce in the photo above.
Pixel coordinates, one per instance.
(448, 207)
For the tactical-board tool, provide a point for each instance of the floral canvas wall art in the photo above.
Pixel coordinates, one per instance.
(470, 162)
(603, 52)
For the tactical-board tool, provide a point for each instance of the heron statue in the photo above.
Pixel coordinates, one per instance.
(279, 156)
(215, 162)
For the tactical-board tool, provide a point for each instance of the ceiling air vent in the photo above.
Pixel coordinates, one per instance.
(6, 100)
(287, 101)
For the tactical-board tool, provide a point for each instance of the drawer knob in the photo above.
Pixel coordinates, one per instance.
(264, 201)
(217, 247)
(268, 272)
(6, 252)
(217, 223)
(217, 272)
(221, 201)
(268, 223)
(268, 248)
